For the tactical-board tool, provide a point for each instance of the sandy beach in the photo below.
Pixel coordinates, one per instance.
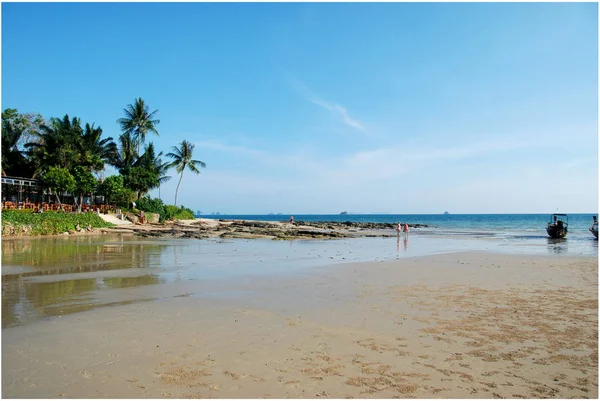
(454, 325)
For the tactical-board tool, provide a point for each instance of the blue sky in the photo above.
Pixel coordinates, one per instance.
(320, 108)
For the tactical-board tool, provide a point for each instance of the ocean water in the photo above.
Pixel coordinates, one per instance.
(507, 226)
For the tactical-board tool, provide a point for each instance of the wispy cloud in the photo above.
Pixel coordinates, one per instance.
(340, 111)
(336, 109)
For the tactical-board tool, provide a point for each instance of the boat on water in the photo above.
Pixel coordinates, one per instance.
(594, 228)
(558, 226)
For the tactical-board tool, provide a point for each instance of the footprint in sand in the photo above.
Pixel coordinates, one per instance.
(85, 374)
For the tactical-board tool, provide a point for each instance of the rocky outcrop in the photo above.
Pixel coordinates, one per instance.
(262, 229)
(132, 217)
(152, 218)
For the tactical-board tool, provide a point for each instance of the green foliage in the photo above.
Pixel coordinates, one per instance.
(151, 205)
(140, 180)
(59, 179)
(114, 191)
(93, 150)
(178, 213)
(64, 143)
(138, 121)
(182, 159)
(28, 124)
(85, 182)
(166, 212)
(57, 144)
(19, 222)
(16, 128)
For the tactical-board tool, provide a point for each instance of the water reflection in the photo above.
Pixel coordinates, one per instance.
(37, 274)
(557, 245)
(54, 276)
(82, 254)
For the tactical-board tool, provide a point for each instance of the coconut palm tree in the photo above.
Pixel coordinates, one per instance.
(126, 156)
(161, 169)
(10, 152)
(56, 144)
(138, 121)
(182, 159)
(95, 151)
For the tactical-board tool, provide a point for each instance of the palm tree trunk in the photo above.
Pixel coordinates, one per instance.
(177, 190)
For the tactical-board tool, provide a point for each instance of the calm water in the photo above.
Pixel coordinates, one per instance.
(45, 278)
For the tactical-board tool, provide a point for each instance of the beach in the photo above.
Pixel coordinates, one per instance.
(447, 324)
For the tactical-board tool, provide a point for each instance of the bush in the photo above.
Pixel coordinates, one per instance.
(15, 222)
(150, 205)
(114, 192)
(178, 213)
(166, 212)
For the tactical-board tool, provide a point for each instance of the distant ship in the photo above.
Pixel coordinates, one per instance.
(343, 213)
(446, 212)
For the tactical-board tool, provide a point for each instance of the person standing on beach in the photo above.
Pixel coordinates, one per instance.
(291, 219)
(406, 230)
(399, 229)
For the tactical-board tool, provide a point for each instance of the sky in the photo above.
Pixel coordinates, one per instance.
(310, 108)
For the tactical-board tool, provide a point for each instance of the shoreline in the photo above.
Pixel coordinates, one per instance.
(201, 228)
(455, 325)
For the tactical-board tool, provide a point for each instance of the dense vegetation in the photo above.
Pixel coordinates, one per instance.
(25, 222)
(67, 156)
(166, 212)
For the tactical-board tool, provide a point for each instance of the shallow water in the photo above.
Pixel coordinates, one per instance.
(54, 276)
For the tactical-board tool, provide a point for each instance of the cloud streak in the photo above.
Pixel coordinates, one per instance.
(336, 109)
(340, 111)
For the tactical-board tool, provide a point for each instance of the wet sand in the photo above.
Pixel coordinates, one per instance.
(454, 325)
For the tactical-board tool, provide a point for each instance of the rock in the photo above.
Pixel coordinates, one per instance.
(152, 218)
(132, 217)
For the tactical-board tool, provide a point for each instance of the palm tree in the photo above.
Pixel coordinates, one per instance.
(10, 152)
(152, 163)
(138, 121)
(56, 145)
(95, 151)
(126, 156)
(161, 169)
(182, 158)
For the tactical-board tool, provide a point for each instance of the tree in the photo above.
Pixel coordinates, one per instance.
(153, 162)
(85, 183)
(182, 159)
(63, 143)
(27, 123)
(10, 152)
(17, 128)
(140, 180)
(161, 169)
(93, 150)
(113, 189)
(126, 155)
(57, 144)
(59, 180)
(138, 121)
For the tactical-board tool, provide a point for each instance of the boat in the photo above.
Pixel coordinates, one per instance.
(558, 226)
(594, 228)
